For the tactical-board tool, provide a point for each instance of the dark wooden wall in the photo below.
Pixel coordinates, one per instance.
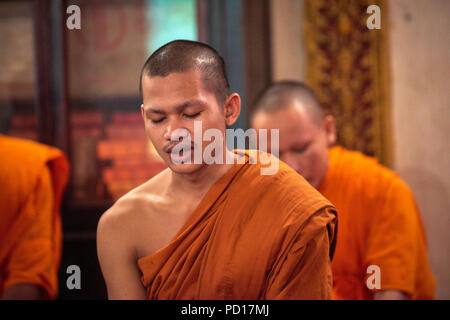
(256, 29)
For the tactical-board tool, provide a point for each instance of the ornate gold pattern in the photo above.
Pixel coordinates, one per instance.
(347, 69)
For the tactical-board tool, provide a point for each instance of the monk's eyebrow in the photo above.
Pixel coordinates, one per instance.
(178, 108)
(152, 110)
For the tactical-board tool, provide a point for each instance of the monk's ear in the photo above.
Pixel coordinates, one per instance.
(142, 111)
(232, 108)
(330, 130)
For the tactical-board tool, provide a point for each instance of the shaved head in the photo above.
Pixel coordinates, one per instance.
(304, 130)
(185, 55)
(282, 94)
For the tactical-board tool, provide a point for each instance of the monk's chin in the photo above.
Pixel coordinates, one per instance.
(184, 168)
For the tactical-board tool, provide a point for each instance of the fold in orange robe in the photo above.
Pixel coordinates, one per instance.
(32, 181)
(252, 236)
(379, 224)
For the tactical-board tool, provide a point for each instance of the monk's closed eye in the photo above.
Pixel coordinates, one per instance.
(158, 120)
(302, 149)
(192, 116)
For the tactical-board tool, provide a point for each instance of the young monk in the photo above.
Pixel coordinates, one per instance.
(32, 180)
(211, 231)
(380, 228)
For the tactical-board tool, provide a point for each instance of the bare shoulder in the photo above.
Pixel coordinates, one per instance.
(130, 209)
(119, 232)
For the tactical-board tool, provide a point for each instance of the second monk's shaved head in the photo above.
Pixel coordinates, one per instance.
(305, 133)
(185, 55)
(280, 95)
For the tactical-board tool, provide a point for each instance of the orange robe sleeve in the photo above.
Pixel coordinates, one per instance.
(379, 225)
(303, 271)
(34, 177)
(396, 243)
(251, 237)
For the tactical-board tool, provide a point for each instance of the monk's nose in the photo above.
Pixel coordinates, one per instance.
(171, 126)
(175, 130)
(167, 133)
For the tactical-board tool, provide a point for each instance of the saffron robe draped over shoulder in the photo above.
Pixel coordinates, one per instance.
(32, 180)
(252, 236)
(379, 225)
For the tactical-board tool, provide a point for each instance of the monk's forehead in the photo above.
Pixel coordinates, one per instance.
(174, 88)
(291, 117)
(173, 80)
(295, 124)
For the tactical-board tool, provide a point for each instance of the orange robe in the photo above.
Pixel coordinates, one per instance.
(32, 180)
(379, 224)
(252, 236)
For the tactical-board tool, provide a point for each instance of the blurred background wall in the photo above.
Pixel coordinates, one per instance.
(420, 64)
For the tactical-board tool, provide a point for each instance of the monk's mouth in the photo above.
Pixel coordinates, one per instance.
(182, 156)
(169, 148)
(181, 152)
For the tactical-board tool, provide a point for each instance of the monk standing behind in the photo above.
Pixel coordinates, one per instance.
(380, 228)
(32, 181)
(211, 231)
